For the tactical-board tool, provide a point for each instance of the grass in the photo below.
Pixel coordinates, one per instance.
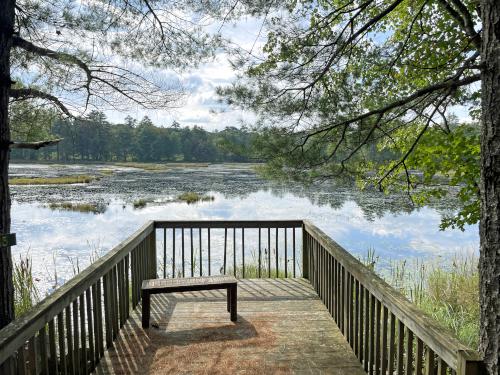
(75, 179)
(140, 203)
(144, 166)
(192, 197)
(78, 207)
(447, 292)
(106, 172)
(26, 294)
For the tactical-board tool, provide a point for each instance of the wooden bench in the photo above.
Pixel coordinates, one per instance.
(189, 284)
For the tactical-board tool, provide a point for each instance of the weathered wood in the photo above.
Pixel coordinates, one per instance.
(44, 357)
(438, 339)
(229, 224)
(267, 339)
(409, 352)
(19, 331)
(62, 343)
(83, 336)
(157, 286)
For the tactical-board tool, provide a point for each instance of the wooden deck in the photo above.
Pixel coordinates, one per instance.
(282, 328)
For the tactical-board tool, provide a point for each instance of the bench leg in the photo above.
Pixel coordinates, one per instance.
(146, 309)
(228, 299)
(234, 303)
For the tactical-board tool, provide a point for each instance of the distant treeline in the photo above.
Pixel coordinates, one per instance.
(93, 138)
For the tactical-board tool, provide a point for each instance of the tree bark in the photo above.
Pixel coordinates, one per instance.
(6, 286)
(489, 227)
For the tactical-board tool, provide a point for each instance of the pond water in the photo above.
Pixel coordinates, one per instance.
(60, 241)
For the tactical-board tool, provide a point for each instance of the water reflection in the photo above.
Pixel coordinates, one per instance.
(357, 220)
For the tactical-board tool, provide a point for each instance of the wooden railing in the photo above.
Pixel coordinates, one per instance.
(68, 331)
(196, 248)
(388, 334)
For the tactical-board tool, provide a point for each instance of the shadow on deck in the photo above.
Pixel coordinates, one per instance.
(283, 328)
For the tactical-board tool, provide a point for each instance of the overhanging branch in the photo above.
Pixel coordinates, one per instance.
(31, 93)
(35, 145)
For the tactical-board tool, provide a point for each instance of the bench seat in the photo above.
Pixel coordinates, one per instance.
(188, 284)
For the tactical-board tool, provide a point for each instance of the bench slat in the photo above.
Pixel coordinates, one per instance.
(191, 282)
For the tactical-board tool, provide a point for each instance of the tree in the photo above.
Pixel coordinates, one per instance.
(336, 78)
(78, 55)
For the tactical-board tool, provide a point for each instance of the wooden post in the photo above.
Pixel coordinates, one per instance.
(470, 363)
(153, 260)
(305, 254)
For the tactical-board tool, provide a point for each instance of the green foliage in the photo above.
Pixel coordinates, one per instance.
(26, 294)
(443, 157)
(136, 144)
(192, 197)
(364, 91)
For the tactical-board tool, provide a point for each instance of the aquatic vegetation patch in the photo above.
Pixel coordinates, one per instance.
(144, 166)
(106, 172)
(62, 180)
(141, 203)
(78, 207)
(192, 197)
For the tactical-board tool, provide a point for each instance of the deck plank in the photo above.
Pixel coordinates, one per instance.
(282, 328)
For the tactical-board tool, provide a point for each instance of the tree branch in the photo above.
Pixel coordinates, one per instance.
(35, 145)
(30, 93)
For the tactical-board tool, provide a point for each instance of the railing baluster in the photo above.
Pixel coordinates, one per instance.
(372, 334)
(62, 343)
(409, 352)
(362, 319)
(209, 259)
(183, 258)
(392, 341)
(90, 326)
(400, 351)
(173, 252)
(83, 335)
(430, 368)
(419, 357)
(260, 253)
(234, 251)
(277, 254)
(383, 353)
(294, 255)
(201, 257)
(164, 253)
(356, 318)
(378, 351)
(76, 338)
(243, 252)
(225, 250)
(42, 343)
(286, 254)
(192, 251)
(269, 251)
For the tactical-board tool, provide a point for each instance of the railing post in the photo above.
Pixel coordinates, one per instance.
(305, 254)
(152, 253)
(470, 363)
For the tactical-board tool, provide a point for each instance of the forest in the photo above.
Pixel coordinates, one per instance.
(94, 138)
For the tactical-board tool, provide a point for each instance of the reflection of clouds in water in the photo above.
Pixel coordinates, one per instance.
(357, 221)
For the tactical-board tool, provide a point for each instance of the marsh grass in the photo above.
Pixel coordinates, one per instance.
(141, 203)
(447, 291)
(106, 172)
(78, 207)
(144, 166)
(26, 294)
(63, 180)
(192, 197)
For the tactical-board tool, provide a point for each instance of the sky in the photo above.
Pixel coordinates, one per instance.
(201, 105)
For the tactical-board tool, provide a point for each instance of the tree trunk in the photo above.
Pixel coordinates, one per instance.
(6, 286)
(489, 227)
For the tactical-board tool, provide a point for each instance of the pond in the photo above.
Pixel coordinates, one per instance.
(60, 242)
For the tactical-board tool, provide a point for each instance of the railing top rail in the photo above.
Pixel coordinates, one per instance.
(438, 339)
(17, 332)
(228, 224)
